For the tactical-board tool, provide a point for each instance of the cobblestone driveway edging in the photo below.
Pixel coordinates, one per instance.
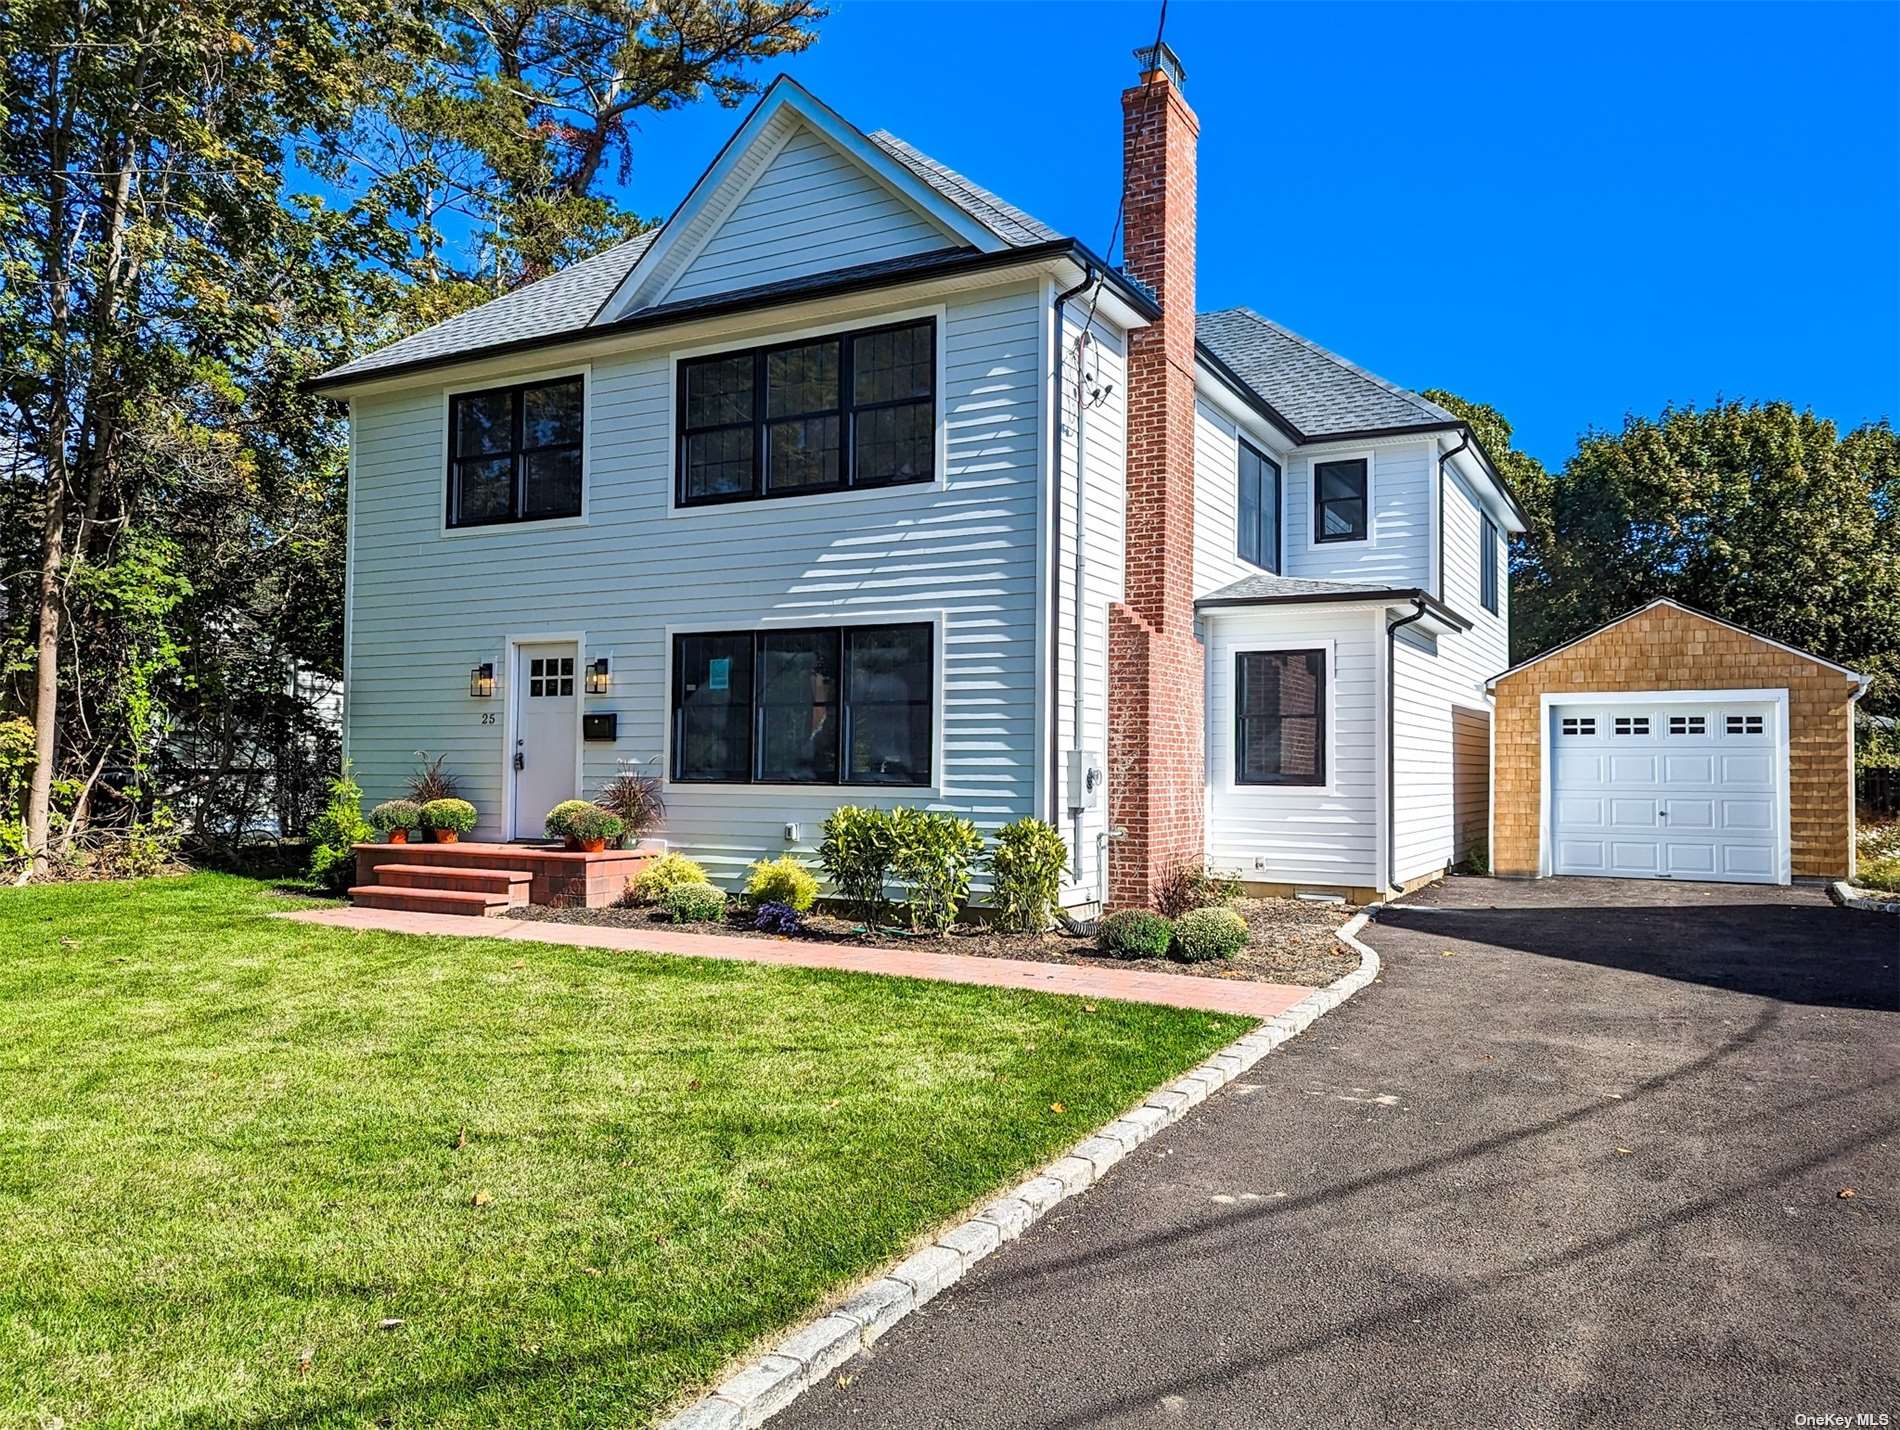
(763, 1387)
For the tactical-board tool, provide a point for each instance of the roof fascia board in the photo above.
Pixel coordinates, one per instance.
(654, 274)
(1478, 477)
(1241, 415)
(1863, 681)
(956, 272)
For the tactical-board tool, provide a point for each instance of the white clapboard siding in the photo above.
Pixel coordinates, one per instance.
(1398, 552)
(1104, 430)
(813, 209)
(1441, 709)
(429, 606)
(1298, 835)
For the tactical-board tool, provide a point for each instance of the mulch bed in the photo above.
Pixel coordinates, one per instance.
(1292, 940)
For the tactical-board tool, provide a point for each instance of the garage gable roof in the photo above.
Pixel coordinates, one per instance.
(1862, 681)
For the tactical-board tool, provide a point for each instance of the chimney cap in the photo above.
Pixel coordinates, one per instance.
(1162, 58)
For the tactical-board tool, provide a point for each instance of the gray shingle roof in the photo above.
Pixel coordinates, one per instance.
(1318, 391)
(561, 302)
(1002, 218)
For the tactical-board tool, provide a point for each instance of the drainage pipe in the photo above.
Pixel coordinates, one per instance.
(1464, 441)
(1090, 276)
(1078, 644)
(1391, 740)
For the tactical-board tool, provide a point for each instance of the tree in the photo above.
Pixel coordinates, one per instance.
(494, 130)
(1753, 512)
(148, 275)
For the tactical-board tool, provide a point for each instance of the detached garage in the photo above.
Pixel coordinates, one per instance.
(1672, 745)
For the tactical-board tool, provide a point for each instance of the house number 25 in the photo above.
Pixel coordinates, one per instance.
(488, 718)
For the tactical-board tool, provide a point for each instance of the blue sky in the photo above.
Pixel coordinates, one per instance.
(1568, 211)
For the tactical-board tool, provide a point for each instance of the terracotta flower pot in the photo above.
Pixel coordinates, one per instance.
(445, 836)
(592, 846)
(398, 836)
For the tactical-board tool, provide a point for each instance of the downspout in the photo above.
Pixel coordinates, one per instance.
(1464, 441)
(1078, 645)
(1391, 740)
(1090, 276)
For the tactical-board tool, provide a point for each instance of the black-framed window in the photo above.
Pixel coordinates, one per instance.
(826, 705)
(1339, 500)
(515, 453)
(856, 409)
(1280, 717)
(1488, 563)
(1259, 508)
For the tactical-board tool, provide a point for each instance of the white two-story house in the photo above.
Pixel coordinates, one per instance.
(853, 483)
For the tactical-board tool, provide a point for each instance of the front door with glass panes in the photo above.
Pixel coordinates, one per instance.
(545, 736)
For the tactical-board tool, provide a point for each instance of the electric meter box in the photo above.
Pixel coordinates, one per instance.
(1086, 779)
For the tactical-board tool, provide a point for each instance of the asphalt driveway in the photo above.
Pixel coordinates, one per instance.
(1576, 1159)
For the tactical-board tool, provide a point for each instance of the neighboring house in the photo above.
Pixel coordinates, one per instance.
(855, 484)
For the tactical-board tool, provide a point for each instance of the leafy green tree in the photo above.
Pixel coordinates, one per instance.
(148, 275)
(1754, 512)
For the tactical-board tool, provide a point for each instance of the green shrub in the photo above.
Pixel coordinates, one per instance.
(933, 856)
(1192, 885)
(593, 822)
(395, 814)
(455, 814)
(1135, 933)
(651, 884)
(556, 826)
(1203, 934)
(1026, 875)
(693, 904)
(782, 881)
(335, 833)
(856, 852)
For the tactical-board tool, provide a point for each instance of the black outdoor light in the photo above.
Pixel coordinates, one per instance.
(481, 680)
(597, 677)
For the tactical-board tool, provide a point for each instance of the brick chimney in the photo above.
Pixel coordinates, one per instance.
(1156, 728)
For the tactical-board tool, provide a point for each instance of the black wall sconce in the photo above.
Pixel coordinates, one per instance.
(481, 680)
(597, 676)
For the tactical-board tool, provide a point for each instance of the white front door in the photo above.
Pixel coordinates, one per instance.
(545, 735)
(1666, 791)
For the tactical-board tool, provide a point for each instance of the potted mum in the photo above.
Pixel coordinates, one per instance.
(556, 826)
(394, 818)
(448, 819)
(593, 828)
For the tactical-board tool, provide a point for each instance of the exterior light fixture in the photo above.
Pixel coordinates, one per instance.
(481, 680)
(597, 677)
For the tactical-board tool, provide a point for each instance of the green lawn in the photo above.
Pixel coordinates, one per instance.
(231, 1145)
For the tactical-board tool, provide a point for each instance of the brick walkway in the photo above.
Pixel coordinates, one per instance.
(1215, 995)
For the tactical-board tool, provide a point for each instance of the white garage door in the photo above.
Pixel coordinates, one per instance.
(1666, 791)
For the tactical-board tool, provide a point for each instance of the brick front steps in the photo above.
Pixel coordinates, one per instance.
(488, 879)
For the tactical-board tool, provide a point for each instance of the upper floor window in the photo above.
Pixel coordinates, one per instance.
(1339, 500)
(818, 415)
(828, 705)
(1280, 717)
(515, 453)
(1259, 508)
(1488, 563)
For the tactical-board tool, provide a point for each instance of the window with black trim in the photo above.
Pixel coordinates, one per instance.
(1688, 725)
(827, 705)
(826, 414)
(1631, 725)
(1579, 725)
(1259, 509)
(1339, 500)
(515, 453)
(1488, 564)
(1743, 724)
(550, 676)
(1280, 717)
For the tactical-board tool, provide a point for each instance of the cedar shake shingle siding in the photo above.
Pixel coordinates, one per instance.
(1666, 647)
